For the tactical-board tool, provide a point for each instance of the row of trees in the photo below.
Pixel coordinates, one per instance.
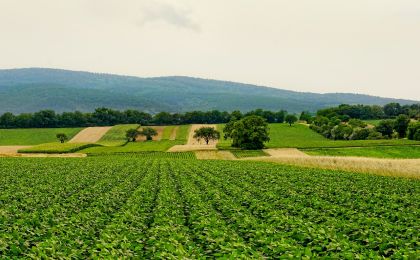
(391, 110)
(355, 129)
(106, 116)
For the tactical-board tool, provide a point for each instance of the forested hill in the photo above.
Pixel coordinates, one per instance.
(33, 89)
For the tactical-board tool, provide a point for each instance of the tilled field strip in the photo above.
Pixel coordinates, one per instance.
(90, 135)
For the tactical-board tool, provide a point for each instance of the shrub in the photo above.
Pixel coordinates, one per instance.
(360, 134)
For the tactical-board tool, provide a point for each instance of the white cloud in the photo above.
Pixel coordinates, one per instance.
(154, 11)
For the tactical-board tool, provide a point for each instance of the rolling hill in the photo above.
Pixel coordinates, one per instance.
(33, 89)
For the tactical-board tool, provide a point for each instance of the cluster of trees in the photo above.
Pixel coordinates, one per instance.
(355, 129)
(106, 116)
(148, 132)
(391, 110)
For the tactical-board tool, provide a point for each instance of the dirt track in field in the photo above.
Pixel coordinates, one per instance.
(193, 144)
(90, 134)
(12, 149)
(158, 137)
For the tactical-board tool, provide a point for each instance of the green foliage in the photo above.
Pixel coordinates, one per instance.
(250, 132)
(148, 132)
(290, 119)
(131, 134)
(341, 132)
(62, 137)
(34, 136)
(403, 152)
(57, 148)
(357, 123)
(117, 135)
(401, 125)
(248, 153)
(360, 133)
(207, 133)
(128, 207)
(306, 116)
(413, 129)
(301, 136)
(386, 127)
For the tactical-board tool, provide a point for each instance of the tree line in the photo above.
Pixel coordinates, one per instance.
(106, 116)
(391, 110)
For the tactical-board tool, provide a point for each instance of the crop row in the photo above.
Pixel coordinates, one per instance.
(116, 206)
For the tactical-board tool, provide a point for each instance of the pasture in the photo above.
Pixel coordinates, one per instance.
(34, 136)
(130, 207)
(300, 136)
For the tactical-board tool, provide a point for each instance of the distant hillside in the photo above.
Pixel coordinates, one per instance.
(33, 89)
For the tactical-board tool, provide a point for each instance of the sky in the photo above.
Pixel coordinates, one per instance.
(353, 46)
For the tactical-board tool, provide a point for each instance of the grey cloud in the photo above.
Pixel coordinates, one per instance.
(155, 11)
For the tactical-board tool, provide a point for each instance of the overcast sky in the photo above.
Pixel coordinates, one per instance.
(360, 46)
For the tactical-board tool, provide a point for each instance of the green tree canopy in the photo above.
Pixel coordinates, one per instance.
(291, 119)
(206, 133)
(401, 125)
(386, 127)
(131, 134)
(248, 133)
(62, 137)
(148, 132)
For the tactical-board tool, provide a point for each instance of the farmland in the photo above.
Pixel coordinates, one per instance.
(57, 148)
(116, 135)
(300, 136)
(33, 136)
(407, 151)
(120, 207)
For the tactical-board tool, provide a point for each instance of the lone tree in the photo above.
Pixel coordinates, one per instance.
(62, 137)
(148, 132)
(291, 119)
(248, 133)
(131, 134)
(206, 133)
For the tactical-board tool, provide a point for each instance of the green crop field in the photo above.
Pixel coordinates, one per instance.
(129, 207)
(134, 147)
(167, 132)
(248, 153)
(404, 152)
(57, 148)
(182, 134)
(116, 135)
(34, 136)
(300, 136)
